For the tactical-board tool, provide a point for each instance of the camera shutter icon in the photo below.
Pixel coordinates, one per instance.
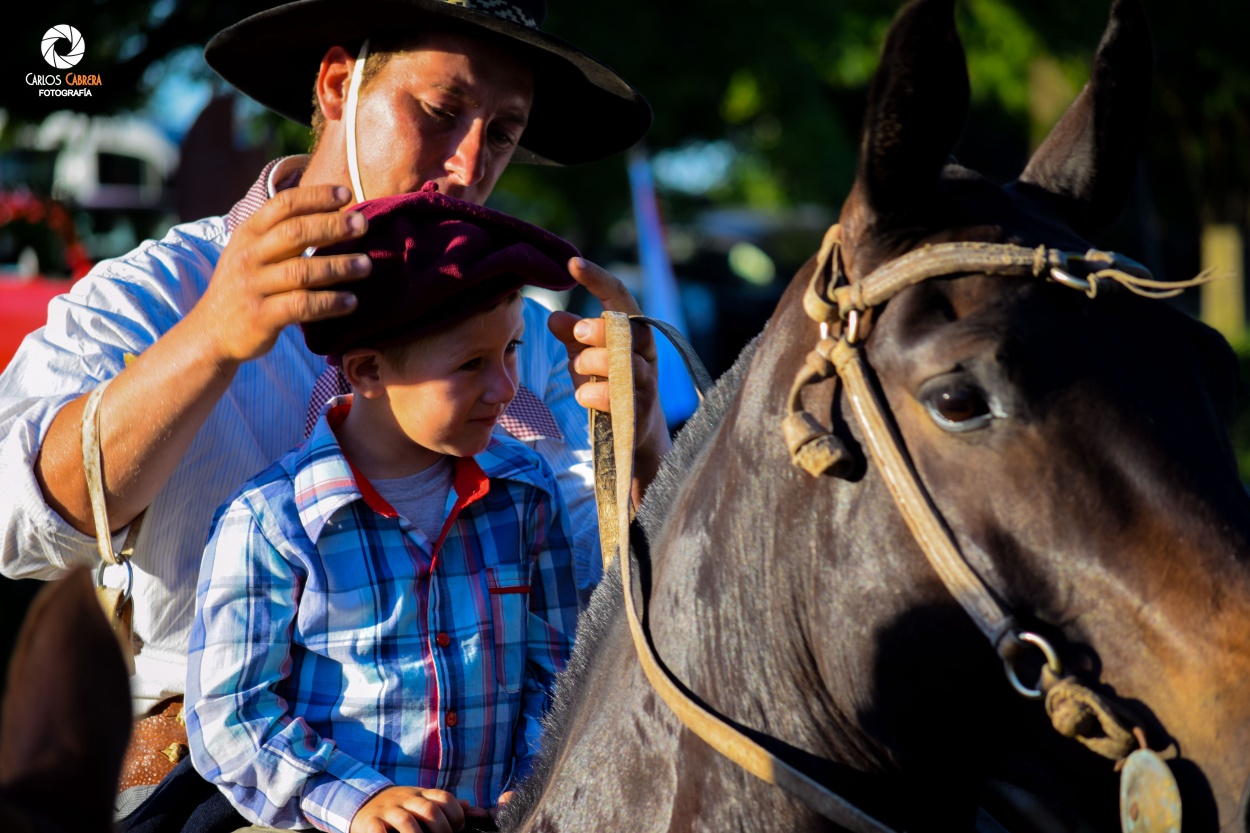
(67, 33)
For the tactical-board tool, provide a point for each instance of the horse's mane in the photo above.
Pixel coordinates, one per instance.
(595, 621)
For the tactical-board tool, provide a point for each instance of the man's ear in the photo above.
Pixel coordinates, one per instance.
(363, 368)
(333, 78)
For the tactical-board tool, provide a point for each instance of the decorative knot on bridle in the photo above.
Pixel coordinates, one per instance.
(1086, 272)
(1078, 712)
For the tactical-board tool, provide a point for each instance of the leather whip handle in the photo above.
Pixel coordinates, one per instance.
(712, 729)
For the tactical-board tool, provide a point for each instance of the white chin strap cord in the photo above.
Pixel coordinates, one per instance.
(353, 95)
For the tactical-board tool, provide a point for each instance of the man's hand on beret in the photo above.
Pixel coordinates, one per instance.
(264, 283)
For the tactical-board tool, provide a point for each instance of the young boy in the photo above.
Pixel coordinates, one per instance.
(381, 612)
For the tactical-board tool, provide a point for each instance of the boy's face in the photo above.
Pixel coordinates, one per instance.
(454, 385)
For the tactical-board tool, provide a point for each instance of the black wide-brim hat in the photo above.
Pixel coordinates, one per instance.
(582, 110)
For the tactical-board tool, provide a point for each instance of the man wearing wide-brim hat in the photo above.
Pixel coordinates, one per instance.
(209, 380)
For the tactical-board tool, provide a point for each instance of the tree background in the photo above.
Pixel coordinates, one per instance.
(782, 85)
(769, 95)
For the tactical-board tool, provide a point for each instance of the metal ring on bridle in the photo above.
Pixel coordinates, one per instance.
(1069, 280)
(1052, 662)
(130, 577)
(851, 328)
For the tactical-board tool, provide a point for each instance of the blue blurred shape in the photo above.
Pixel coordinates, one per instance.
(660, 298)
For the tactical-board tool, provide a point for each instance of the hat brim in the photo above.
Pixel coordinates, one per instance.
(582, 110)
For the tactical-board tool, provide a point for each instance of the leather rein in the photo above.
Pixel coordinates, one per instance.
(832, 301)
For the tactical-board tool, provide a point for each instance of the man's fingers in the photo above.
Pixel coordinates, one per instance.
(300, 307)
(293, 235)
(594, 394)
(603, 285)
(312, 273)
(561, 324)
(295, 202)
(591, 361)
(592, 332)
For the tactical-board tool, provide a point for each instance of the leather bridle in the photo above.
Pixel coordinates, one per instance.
(837, 304)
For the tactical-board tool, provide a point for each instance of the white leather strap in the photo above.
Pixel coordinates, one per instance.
(93, 466)
(353, 98)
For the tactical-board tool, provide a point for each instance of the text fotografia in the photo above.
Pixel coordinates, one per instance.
(69, 84)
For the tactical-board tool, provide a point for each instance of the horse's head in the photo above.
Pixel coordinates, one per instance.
(1074, 451)
(1075, 446)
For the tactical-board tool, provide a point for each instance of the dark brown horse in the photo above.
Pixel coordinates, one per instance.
(65, 719)
(1075, 447)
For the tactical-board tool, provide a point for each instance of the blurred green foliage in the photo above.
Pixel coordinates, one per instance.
(783, 82)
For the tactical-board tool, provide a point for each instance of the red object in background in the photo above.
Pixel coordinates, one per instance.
(24, 300)
(24, 308)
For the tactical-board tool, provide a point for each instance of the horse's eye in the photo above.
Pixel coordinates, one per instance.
(959, 407)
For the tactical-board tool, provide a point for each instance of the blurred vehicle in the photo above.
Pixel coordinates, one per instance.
(113, 174)
(74, 189)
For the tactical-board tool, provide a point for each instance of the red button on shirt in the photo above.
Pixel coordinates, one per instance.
(452, 718)
(442, 639)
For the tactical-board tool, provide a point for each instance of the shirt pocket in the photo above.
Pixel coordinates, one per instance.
(509, 586)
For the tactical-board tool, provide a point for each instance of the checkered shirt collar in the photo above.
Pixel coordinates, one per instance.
(274, 177)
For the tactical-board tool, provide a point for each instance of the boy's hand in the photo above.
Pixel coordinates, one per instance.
(410, 810)
(486, 818)
(504, 798)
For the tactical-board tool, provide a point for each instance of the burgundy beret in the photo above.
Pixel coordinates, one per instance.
(436, 260)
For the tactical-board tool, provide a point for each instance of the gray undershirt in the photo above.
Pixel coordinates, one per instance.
(421, 497)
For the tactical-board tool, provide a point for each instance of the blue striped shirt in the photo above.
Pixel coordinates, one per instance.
(336, 650)
(123, 306)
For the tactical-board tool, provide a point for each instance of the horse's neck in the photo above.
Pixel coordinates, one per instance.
(732, 566)
(793, 604)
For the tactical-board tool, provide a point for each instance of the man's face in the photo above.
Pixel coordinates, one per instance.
(454, 385)
(450, 112)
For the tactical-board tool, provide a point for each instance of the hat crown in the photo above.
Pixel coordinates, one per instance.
(435, 260)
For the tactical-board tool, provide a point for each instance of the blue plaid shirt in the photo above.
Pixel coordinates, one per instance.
(336, 650)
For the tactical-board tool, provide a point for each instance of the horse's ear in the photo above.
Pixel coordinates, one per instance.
(1087, 164)
(916, 108)
(66, 714)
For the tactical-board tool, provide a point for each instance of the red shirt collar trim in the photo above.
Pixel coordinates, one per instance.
(372, 499)
(470, 483)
